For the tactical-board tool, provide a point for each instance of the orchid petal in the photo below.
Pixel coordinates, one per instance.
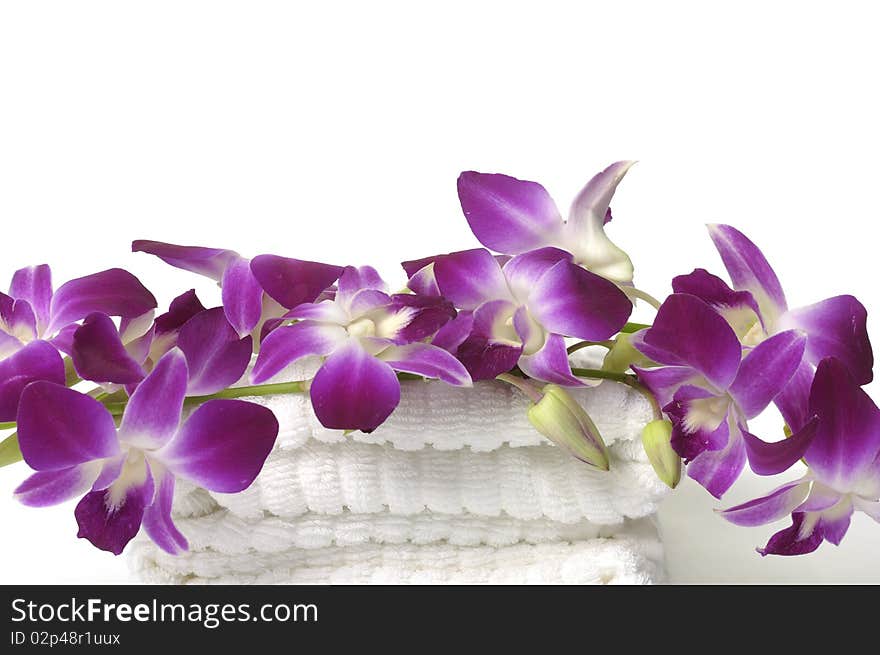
(242, 296)
(427, 314)
(46, 488)
(153, 411)
(847, 441)
(99, 354)
(34, 284)
(794, 399)
(290, 343)
(353, 390)
(792, 540)
(776, 457)
(453, 334)
(210, 262)
(157, 520)
(471, 277)
(428, 361)
(215, 357)
(574, 302)
(738, 308)
(110, 518)
(222, 446)
(367, 300)
(585, 233)
(494, 321)
(423, 281)
(182, 308)
(717, 470)
(688, 332)
(486, 360)
(356, 279)
(550, 363)
(699, 421)
(292, 282)
(836, 327)
(506, 214)
(749, 270)
(871, 508)
(18, 321)
(37, 360)
(834, 521)
(772, 507)
(59, 428)
(524, 271)
(114, 292)
(766, 370)
(326, 311)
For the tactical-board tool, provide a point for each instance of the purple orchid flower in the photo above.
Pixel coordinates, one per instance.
(518, 312)
(843, 469)
(514, 216)
(216, 357)
(36, 322)
(252, 290)
(710, 391)
(70, 440)
(366, 335)
(757, 310)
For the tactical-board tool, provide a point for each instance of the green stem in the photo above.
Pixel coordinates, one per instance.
(623, 378)
(632, 292)
(10, 453)
(586, 344)
(523, 385)
(7, 426)
(118, 407)
(629, 328)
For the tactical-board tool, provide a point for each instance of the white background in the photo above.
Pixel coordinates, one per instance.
(335, 131)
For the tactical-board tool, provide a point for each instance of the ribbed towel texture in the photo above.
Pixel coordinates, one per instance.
(456, 487)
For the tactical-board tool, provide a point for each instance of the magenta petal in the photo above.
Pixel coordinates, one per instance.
(59, 428)
(506, 214)
(326, 311)
(37, 360)
(292, 282)
(356, 279)
(794, 399)
(34, 284)
(772, 458)
(550, 363)
(423, 281)
(99, 354)
(766, 370)
(46, 488)
(772, 507)
(210, 262)
(182, 308)
(591, 206)
(738, 307)
(223, 445)
(157, 520)
(471, 277)
(290, 343)
(17, 320)
(242, 296)
(717, 470)
(428, 314)
(664, 381)
(836, 327)
(111, 525)
(688, 332)
(485, 360)
(572, 301)
(353, 390)
(453, 334)
(216, 358)
(524, 271)
(693, 433)
(428, 361)
(114, 292)
(847, 439)
(153, 411)
(749, 270)
(834, 522)
(790, 541)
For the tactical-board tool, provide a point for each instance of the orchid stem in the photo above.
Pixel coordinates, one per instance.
(523, 385)
(10, 453)
(629, 328)
(7, 426)
(632, 292)
(624, 378)
(586, 344)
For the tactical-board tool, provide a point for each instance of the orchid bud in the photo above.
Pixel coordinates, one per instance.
(656, 439)
(622, 355)
(564, 422)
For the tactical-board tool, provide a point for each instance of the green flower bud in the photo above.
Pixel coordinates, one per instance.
(656, 438)
(622, 355)
(564, 422)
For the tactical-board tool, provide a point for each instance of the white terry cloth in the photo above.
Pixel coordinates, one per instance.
(525, 483)
(482, 417)
(632, 556)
